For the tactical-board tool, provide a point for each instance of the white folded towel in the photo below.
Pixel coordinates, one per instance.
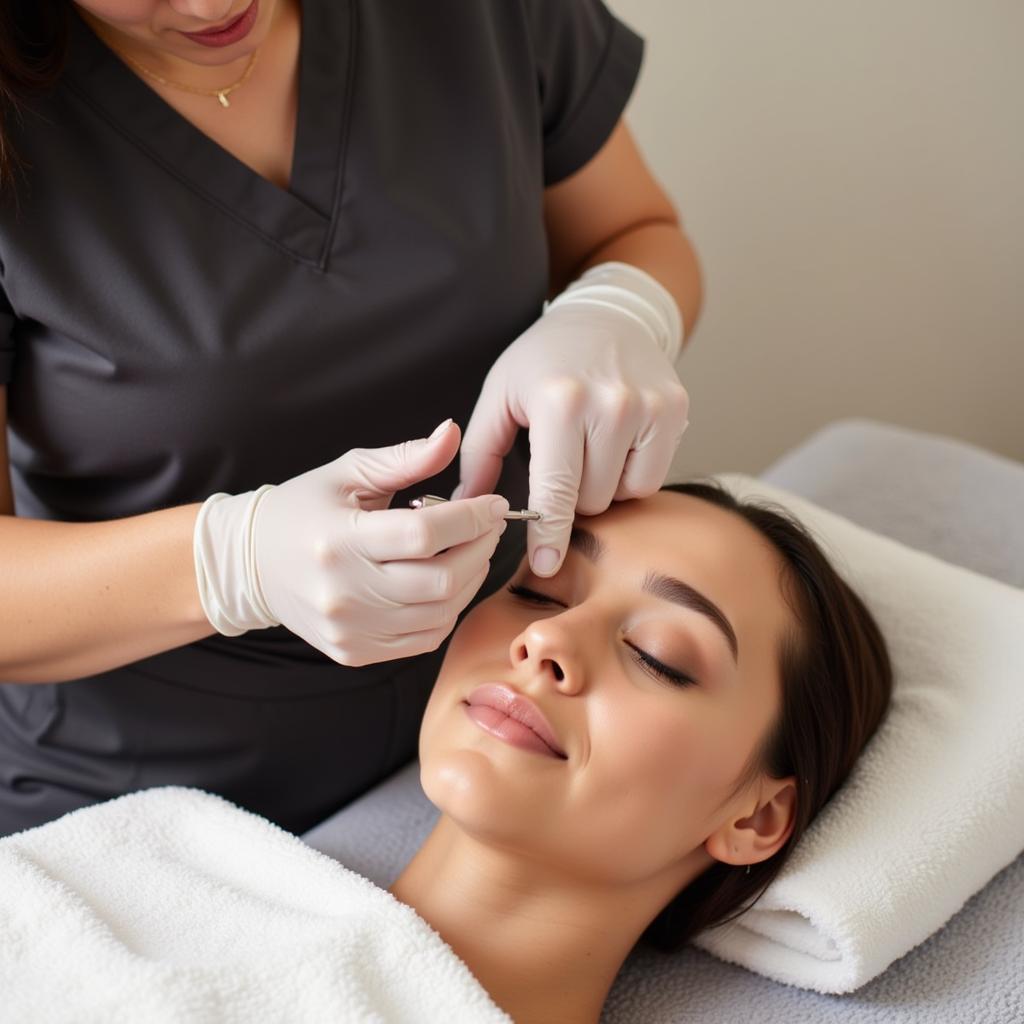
(173, 905)
(935, 806)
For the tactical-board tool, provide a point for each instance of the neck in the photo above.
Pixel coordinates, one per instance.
(545, 947)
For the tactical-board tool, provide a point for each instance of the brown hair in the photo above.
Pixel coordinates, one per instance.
(33, 50)
(836, 684)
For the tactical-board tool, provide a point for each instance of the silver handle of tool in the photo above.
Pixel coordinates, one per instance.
(433, 499)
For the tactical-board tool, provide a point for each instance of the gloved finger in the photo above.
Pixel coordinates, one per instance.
(426, 616)
(556, 465)
(613, 424)
(370, 477)
(648, 463)
(486, 441)
(438, 579)
(397, 534)
(387, 648)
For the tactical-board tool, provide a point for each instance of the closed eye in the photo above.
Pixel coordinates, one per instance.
(530, 595)
(662, 670)
(649, 663)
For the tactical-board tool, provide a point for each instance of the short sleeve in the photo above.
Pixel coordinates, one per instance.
(587, 62)
(7, 319)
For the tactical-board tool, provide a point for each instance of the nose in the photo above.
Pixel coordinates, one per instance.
(548, 649)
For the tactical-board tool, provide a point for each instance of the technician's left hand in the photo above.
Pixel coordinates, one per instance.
(605, 411)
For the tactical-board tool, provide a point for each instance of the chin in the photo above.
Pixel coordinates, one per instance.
(458, 781)
(479, 794)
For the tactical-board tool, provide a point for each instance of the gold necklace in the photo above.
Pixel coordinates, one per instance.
(221, 94)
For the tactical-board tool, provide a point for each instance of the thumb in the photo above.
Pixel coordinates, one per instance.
(373, 475)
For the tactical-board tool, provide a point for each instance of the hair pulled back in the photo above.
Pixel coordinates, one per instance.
(836, 682)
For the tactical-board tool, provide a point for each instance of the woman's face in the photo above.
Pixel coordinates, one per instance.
(158, 25)
(650, 762)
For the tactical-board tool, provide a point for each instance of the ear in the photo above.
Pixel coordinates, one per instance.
(751, 839)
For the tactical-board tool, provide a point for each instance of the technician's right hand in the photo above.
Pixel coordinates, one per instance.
(323, 555)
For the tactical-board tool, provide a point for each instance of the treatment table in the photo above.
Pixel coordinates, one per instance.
(951, 499)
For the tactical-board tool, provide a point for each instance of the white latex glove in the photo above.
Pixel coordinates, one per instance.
(594, 380)
(323, 554)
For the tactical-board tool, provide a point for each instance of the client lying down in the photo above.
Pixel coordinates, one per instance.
(698, 681)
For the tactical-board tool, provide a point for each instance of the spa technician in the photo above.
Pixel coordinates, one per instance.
(250, 243)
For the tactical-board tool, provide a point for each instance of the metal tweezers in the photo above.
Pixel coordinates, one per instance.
(432, 499)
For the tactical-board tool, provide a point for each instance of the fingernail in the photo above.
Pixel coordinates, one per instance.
(545, 560)
(498, 507)
(440, 429)
(457, 493)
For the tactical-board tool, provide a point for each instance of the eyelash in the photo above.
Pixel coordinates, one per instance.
(656, 666)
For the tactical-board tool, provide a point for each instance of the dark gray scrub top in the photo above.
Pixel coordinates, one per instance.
(172, 324)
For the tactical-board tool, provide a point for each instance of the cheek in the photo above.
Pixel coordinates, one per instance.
(479, 642)
(123, 14)
(649, 790)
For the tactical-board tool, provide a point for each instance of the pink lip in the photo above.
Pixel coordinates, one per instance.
(230, 32)
(517, 708)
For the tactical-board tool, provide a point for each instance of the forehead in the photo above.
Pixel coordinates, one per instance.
(705, 546)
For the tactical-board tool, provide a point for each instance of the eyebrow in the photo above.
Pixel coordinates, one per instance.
(668, 588)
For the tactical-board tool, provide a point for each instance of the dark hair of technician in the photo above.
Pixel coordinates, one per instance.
(33, 51)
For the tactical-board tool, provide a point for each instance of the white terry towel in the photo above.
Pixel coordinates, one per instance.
(174, 905)
(934, 808)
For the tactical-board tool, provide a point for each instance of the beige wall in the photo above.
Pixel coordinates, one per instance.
(852, 176)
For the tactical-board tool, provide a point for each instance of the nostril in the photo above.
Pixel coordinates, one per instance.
(559, 674)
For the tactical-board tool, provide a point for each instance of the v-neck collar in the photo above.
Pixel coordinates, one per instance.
(300, 219)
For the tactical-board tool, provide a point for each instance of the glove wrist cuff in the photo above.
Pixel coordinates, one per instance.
(225, 563)
(635, 292)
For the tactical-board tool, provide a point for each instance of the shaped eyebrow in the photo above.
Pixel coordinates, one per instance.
(668, 588)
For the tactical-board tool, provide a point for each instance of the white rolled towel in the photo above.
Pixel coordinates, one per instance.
(934, 808)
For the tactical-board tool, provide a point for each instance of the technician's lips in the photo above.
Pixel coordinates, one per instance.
(230, 32)
(515, 718)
